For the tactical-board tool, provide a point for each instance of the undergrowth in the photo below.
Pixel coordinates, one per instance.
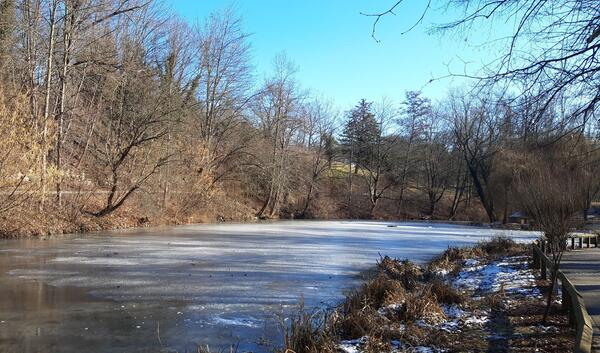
(383, 308)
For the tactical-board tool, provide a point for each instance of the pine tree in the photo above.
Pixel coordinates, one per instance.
(360, 134)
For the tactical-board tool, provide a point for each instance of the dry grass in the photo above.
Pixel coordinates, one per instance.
(358, 315)
(421, 304)
(398, 294)
(376, 345)
(405, 272)
(308, 333)
(445, 293)
(451, 260)
(500, 246)
(387, 306)
(494, 301)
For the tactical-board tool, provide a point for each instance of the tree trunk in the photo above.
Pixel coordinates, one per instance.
(373, 206)
(487, 203)
(49, 62)
(458, 191)
(505, 213)
(308, 199)
(62, 104)
(432, 203)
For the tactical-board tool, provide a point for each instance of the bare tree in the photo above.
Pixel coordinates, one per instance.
(417, 109)
(435, 167)
(378, 165)
(460, 178)
(550, 190)
(139, 111)
(52, 20)
(77, 21)
(590, 168)
(224, 92)
(563, 62)
(7, 33)
(476, 130)
(277, 111)
(19, 151)
(319, 131)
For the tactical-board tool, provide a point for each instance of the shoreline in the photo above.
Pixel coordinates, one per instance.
(82, 230)
(107, 254)
(486, 297)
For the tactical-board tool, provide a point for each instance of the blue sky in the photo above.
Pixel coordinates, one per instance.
(331, 44)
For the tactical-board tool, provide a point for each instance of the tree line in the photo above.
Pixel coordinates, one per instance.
(112, 107)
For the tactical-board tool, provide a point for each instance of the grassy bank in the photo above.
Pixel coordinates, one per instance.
(483, 298)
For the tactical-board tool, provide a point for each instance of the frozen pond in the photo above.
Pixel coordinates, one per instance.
(142, 290)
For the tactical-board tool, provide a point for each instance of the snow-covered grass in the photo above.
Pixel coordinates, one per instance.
(477, 278)
(354, 346)
(510, 275)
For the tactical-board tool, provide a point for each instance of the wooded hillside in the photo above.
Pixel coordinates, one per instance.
(118, 113)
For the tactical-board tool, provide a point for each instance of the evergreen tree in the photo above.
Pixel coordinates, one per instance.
(360, 134)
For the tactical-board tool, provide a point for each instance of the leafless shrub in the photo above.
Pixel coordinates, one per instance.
(500, 246)
(548, 182)
(19, 151)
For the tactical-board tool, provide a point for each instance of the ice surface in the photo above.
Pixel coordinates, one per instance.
(226, 279)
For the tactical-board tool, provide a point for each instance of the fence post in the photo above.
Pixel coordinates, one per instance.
(543, 270)
(566, 303)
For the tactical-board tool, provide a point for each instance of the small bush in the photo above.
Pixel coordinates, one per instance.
(445, 293)
(494, 301)
(451, 259)
(358, 315)
(406, 272)
(359, 323)
(420, 305)
(308, 333)
(500, 245)
(375, 293)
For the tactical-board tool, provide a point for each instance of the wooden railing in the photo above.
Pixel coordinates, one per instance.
(571, 301)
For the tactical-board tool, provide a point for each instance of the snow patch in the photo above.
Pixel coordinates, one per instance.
(509, 275)
(453, 311)
(352, 346)
(471, 262)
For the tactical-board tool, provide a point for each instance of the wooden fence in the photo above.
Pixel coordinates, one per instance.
(571, 301)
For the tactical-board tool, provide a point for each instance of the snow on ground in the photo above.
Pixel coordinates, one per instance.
(510, 275)
(354, 346)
